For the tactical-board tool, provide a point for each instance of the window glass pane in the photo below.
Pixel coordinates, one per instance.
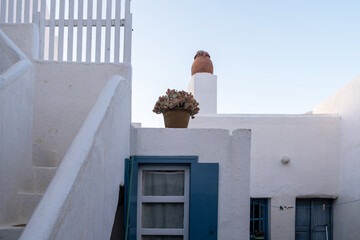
(256, 209)
(163, 183)
(251, 209)
(163, 215)
(162, 238)
(256, 224)
(261, 213)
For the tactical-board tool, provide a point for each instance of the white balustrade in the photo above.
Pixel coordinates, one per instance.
(81, 30)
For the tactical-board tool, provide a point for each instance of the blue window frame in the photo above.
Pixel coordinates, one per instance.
(203, 206)
(258, 219)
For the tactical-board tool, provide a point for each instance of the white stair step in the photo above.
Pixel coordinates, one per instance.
(27, 205)
(11, 233)
(42, 178)
(43, 157)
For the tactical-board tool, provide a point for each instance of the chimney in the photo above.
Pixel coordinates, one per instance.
(203, 84)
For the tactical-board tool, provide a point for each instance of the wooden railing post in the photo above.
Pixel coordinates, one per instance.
(3, 11)
(128, 33)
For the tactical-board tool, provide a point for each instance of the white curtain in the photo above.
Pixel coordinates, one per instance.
(163, 215)
(163, 183)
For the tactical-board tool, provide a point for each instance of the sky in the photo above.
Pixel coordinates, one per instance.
(270, 57)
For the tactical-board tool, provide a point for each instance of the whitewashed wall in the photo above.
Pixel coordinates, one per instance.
(64, 95)
(25, 36)
(232, 152)
(81, 201)
(311, 142)
(346, 102)
(16, 124)
(64, 91)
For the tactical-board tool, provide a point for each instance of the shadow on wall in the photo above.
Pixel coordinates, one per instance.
(118, 227)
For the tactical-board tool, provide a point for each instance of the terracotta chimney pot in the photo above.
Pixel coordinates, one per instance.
(202, 63)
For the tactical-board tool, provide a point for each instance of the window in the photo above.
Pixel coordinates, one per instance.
(163, 202)
(190, 199)
(258, 218)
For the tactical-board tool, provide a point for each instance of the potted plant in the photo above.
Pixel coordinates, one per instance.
(177, 107)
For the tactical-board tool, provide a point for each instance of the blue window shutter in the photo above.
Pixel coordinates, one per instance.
(133, 197)
(204, 178)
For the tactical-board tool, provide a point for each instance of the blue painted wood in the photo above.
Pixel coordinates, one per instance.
(133, 197)
(204, 179)
(126, 188)
(302, 219)
(258, 217)
(265, 218)
(312, 218)
(321, 218)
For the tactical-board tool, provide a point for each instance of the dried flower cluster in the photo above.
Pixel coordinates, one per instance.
(177, 100)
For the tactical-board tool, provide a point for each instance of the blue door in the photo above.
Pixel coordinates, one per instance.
(313, 219)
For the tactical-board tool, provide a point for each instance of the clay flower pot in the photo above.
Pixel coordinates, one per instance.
(202, 63)
(176, 118)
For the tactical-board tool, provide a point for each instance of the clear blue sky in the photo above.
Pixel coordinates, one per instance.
(269, 56)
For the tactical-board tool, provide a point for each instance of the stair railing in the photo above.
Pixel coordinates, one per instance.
(76, 30)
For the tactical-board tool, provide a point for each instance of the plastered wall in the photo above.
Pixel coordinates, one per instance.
(25, 36)
(16, 124)
(64, 92)
(64, 95)
(231, 151)
(310, 141)
(346, 103)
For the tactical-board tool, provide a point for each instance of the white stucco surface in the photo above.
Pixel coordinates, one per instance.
(204, 88)
(8, 57)
(310, 141)
(232, 152)
(10, 54)
(64, 94)
(81, 201)
(25, 36)
(346, 103)
(16, 122)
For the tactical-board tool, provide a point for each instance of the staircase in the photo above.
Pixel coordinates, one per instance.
(44, 169)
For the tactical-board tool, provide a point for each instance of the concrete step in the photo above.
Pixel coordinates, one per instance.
(43, 157)
(27, 205)
(11, 232)
(42, 178)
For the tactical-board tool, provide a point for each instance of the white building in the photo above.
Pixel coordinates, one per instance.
(67, 145)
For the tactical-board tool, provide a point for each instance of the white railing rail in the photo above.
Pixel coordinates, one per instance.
(16, 63)
(76, 30)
